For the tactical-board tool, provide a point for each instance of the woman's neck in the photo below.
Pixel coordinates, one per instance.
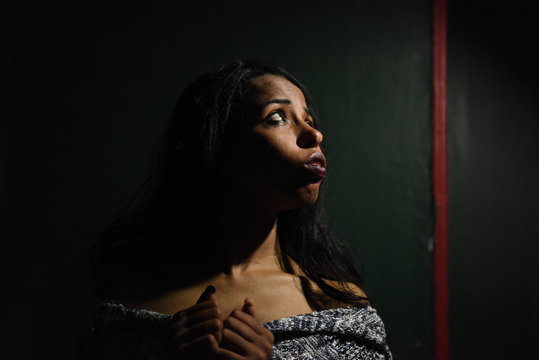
(249, 241)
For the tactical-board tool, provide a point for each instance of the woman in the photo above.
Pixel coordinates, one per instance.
(227, 255)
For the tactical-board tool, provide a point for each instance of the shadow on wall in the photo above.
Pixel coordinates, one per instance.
(493, 180)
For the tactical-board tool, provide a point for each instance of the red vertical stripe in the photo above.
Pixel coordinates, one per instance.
(439, 179)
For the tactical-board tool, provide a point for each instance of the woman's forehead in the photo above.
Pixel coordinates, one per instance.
(268, 87)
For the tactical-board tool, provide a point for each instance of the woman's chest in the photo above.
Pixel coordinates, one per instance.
(273, 297)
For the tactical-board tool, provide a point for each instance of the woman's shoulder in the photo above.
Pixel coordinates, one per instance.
(345, 286)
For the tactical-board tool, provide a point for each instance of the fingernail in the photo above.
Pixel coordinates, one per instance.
(248, 301)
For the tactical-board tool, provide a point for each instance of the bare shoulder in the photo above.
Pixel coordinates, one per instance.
(348, 287)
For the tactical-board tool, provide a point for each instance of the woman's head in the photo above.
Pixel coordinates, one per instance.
(277, 163)
(217, 132)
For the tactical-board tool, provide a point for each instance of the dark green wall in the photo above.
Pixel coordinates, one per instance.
(92, 87)
(493, 180)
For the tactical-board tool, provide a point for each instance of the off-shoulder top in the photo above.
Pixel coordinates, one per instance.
(122, 333)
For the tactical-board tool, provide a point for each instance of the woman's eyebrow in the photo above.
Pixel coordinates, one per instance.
(278, 101)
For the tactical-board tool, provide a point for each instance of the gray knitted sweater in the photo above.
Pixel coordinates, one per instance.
(122, 333)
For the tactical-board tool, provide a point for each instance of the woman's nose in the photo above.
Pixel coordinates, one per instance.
(309, 137)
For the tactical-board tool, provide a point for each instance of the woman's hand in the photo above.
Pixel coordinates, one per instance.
(244, 338)
(197, 330)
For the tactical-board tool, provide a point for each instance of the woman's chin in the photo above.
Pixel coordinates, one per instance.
(307, 195)
(292, 198)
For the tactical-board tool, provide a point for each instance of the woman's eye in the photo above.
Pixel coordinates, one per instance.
(276, 118)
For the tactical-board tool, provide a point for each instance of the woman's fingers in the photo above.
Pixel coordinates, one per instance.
(235, 342)
(258, 350)
(195, 322)
(240, 328)
(211, 326)
(196, 314)
(203, 315)
(243, 335)
(199, 330)
(196, 326)
(248, 307)
(210, 289)
(249, 321)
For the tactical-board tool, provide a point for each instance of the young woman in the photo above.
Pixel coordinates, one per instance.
(227, 255)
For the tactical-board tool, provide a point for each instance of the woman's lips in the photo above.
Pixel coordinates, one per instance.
(317, 164)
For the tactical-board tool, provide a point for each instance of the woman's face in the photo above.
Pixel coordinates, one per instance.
(279, 164)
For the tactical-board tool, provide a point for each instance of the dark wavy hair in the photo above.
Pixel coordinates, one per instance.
(168, 223)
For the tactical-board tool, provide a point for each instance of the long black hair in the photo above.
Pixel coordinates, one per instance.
(169, 222)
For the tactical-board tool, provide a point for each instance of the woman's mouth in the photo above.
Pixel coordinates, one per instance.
(316, 163)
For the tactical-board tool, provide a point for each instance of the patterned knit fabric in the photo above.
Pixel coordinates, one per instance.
(121, 333)
(343, 333)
